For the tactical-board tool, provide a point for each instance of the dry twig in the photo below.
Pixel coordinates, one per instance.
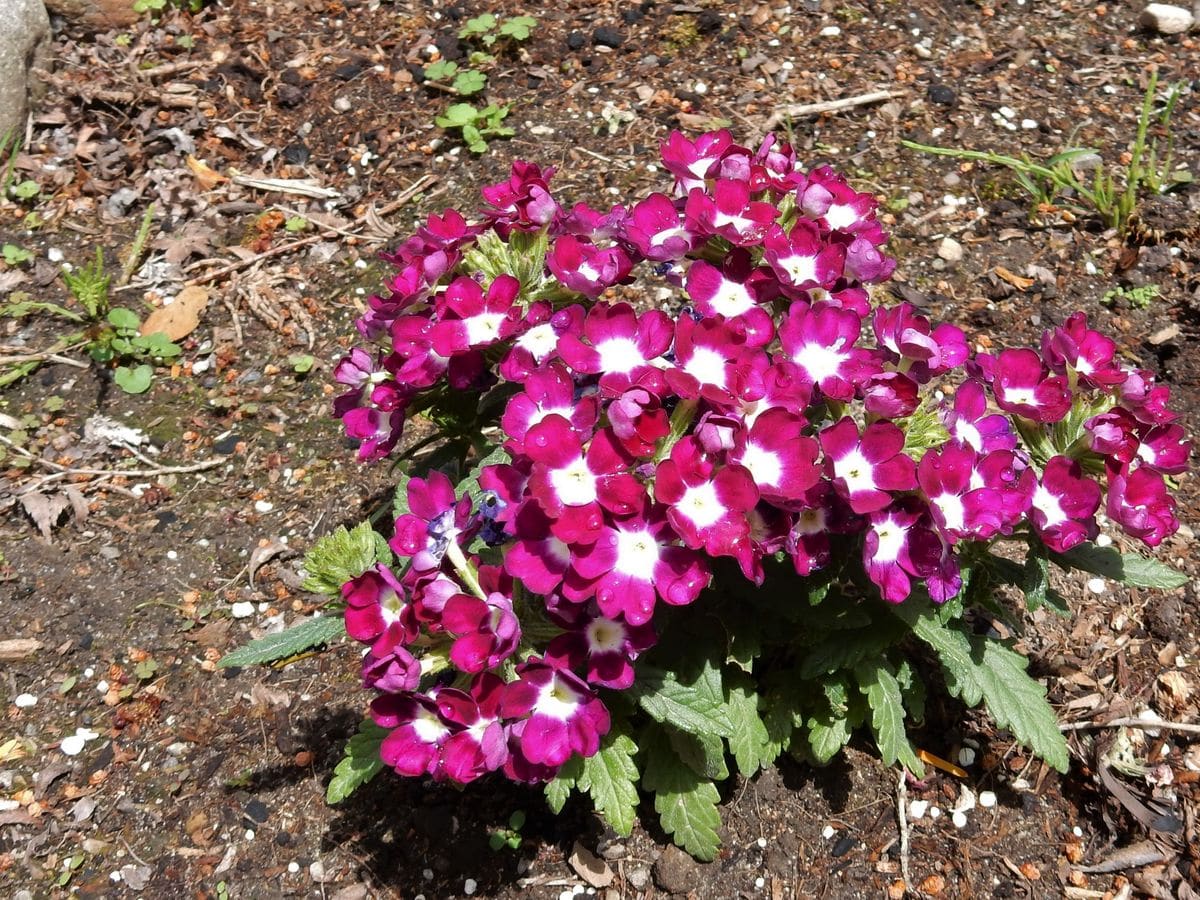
(1130, 722)
(799, 110)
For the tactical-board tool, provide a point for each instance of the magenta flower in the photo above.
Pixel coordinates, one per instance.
(582, 266)
(638, 420)
(487, 631)
(656, 230)
(865, 262)
(707, 506)
(691, 162)
(735, 291)
(1138, 500)
(478, 744)
(959, 507)
(436, 517)
(1012, 481)
(414, 746)
(471, 319)
(706, 353)
(548, 392)
(729, 213)
(827, 199)
(635, 559)
(1113, 434)
(1064, 505)
(779, 457)
(864, 468)
(1075, 347)
(820, 340)
(536, 556)
(605, 648)
(823, 513)
(523, 202)
(377, 611)
(572, 483)
(393, 672)
(968, 421)
(537, 344)
(775, 168)
(801, 259)
(583, 221)
(563, 716)
(898, 547)
(891, 395)
(1165, 449)
(621, 347)
(1024, 387)
(1145, 399)
(921, 350)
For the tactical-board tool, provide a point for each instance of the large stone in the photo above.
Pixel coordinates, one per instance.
(24, 44)
(1167, 19)
(99, 15)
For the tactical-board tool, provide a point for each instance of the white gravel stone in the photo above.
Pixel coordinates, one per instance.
(1097, 585)
(73, 744)
(242, 610)
(828, 831)
(830, 31)
(24, 701)
(917, 809)
(950, 250)
(966, 757)
(293, 867)
(1166, 19)
(959, 819)
(263, 506)
(987, 799)
(470, 886)
(1029, 124)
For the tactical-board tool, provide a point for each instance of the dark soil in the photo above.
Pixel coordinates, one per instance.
(210, 783)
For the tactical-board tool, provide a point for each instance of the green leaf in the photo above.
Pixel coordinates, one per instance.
(610, 777)
(14, 255)
(783, 716)
(750, 741)
(850, 648)
(978, 669)
(1035, 576)
(696, 704)
(359, 764)
(457, 115)
(340, 556)
(470, 82)
(123, 319)
(294, 224)
(704, 754)
(518, 27)
(441, 70)
(686, 803)
(479, 25)
(882, 691)
(302, 363)
(826, 736)
(1131, 569)
(134, 381)
(309, 633)
(26, 190)
(560, 787)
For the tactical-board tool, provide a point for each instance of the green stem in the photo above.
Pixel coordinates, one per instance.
(681, 421)
(465, 570)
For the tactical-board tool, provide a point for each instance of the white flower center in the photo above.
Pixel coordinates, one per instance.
(619, 355)
(574, 484)
(637, 554)
(891, 541)
(1021, 396)
(839, 215)
(800, 268)
(663, 236)
(605, 636)
(819, 361)
(765, 467)
(953, 511)
(541, 413)
(540, 341)
(810, 521)
(483, 328)
(731, 299)
(701, 506)
(707, 366)
(428, 728)
(967, 433)
(391, 605)
(856, 470)
(739, 223)
(1049, 505)
(558, 701)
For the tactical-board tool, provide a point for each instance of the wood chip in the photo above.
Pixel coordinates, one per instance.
(1164, 334)
(590, 867)
(15, 649)
(180, 317)
(1017, 281)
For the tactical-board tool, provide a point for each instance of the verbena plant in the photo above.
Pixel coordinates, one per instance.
(1114, 197)
(645, 545)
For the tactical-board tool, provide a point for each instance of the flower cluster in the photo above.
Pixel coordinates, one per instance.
(772, 410)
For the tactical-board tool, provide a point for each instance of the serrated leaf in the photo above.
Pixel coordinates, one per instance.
(1035, 576)
(309, 633)
(457, 115)
(882, 691)
(826, 737)
(359, 764)
(750, 741)
(978, 669)
(518, 27)
(849, 648)
(744, 646)
(1131, 569)
(695, 705)
(783, 716)
(686, 803)
(441, 70)
(610, 778)
(559, 788)
(340, 556)
(703, 754)
(470, 82)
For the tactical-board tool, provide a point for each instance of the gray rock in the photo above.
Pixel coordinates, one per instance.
(1166, 19)
(24, 44)
(950, 250)
(676, 872)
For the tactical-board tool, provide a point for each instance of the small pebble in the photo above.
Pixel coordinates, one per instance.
(760, 882)
(427, 874)
(469, 886)
(987, 799)
(566, 895)
(959, 819)
(830, 31)
(242, 610)
(1103, 540)
(950, 250)
(918, 808)
(101, 687)
(935, 812)
(1166, 19)
(1029, 124)
(941, 95)
(24, 701)
(966, 757)
(343, 104)
(1096, 585)
(762, 843)
(293, 867)
(263, 506)
(1007, 112)
(608, 37)
(73, 744)
(1077, 831)
(828, 831)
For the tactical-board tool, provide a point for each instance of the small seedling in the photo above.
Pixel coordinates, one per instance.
(302, 363)
(477, 125)
(26, 190)
(1137, 297)
(295, 224)
(89, 286)
(488, 29)
(510, 836)
(14, 255)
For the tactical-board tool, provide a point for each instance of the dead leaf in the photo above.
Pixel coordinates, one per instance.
(44, 509)
(79, 504)
(180, 317)
(15, 649)
(207, 178)
(590, 867)
(1017, 281)
(1164, 334)
(265, 698)
(263, 554)
(214, 634)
